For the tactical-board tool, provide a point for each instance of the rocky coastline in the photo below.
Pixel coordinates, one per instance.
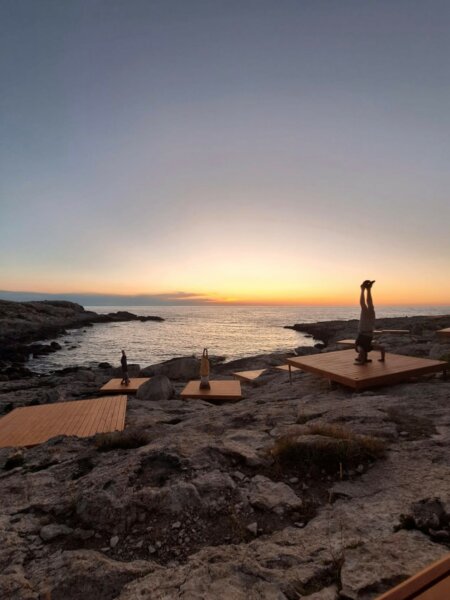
(423, 328)
(24, 326)
(296, 492)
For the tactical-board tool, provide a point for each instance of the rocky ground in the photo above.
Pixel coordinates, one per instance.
(298, 491)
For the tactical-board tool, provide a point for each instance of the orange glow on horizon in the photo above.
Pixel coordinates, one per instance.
(345, 297)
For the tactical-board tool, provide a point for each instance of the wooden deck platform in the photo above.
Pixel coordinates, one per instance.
(31, 425)
(285, 368)
(433, 583)
(224, 390)
(248, 376)
(444, 333)
(113, 386)
(340, 367)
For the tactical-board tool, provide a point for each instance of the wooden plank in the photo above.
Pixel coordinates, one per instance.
(79, 417)
(220, 390)
(248, 375)
(88, 416)
(114, 415)
(98, 426)
(120, 423)
(27, 426)
(432, 583)
(340, 367)
(96, 416)
(113, 386)
(92, 417)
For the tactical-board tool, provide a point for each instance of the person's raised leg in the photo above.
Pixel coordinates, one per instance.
(369, 297)
(362, 300)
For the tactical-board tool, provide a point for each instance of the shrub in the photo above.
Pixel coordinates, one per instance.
(328, 447)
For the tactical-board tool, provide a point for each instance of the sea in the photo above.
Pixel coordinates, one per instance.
(229, 331)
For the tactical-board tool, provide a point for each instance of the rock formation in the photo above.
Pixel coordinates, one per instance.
(202, 507)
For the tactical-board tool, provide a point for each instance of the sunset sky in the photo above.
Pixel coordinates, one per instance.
(250, 151)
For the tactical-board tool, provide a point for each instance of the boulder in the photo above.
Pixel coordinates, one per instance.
(265, 494)
(214, 482)
(133, 371)
(157, 389)
(181, 369)
(440, 352)
(54, 530)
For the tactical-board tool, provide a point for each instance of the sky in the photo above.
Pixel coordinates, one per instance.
(249, 151)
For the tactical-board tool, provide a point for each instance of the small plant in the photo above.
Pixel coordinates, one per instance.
(123, 440)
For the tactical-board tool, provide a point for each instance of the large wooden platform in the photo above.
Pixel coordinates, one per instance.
(31, 425)
(113, 386)
(444, 333)
(340, 367)
(433, 583)
(223, 390)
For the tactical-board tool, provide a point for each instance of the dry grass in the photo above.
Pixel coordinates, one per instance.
(124, 440)
(334, 448)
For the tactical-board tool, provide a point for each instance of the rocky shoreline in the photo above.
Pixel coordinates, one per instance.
(24, 325)
(298, 491)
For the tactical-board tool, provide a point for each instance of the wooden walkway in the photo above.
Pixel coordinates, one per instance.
(31, 425)
(433, 583)
(113, 386)
(224, 390)
(339, 366)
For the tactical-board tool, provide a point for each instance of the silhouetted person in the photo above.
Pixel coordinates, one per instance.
(363, 343)
(124, 363)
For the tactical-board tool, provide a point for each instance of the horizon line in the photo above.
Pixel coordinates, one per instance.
(184, 299)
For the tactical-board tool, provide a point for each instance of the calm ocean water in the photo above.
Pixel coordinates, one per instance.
(231, 331)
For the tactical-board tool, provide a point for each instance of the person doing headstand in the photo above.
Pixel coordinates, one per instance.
(363, 343)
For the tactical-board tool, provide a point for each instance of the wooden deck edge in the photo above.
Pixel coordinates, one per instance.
(420, 582)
